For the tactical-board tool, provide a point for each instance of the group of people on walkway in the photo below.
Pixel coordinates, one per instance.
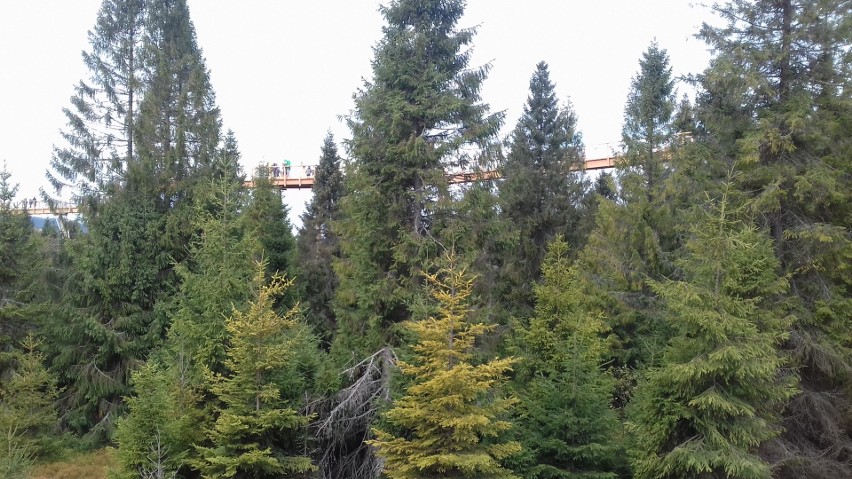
(29, 203)
(275, 171)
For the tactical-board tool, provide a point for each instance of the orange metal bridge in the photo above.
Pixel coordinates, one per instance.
(302, 179)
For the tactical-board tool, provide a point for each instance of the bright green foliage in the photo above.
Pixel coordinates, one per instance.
(420, 114)
(216, 278)
(27, 409)
(257, 432)
(542, 191)
(719, 392)
(317, 245)
(564, 419)
(450, 411)
(779, 97)
(157, 434)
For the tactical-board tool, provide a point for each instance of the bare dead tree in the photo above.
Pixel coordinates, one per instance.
(344, 420)
(158, 458)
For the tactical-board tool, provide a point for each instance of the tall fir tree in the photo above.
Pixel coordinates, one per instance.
(137, 207)
(720, 389)
(99, 137)
(413, 121)
(267, 219)
(178, 128)
(648, 125)
(449, 420)
(564, 419)
(777, 98)
(109, 322)
(318, 246)
(640, 218)
(542, 191)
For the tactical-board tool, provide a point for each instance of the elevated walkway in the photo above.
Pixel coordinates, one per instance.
(305, 180)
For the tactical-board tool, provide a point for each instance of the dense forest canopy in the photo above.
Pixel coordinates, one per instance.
(686, 314)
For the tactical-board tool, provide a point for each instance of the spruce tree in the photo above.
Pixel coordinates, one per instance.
(542, 191)
(214, 279)
(719, 392)
(257, 432)
(267, 220)
(648, 125)
(317, 244)
(564, 419)
(640, 218)
(20, 266)
(152, 439)
(416, 118)
(109, 322)
(99, 137)
(137, 209)
(28, 396)
(448, 422)
(777, 98)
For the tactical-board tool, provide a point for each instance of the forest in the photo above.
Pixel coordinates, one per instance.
(686, 314)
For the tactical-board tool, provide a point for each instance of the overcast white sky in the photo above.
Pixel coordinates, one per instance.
(285, 71)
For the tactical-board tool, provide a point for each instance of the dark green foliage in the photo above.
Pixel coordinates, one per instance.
(718, 394)
(151, 96)
(542, 191)
(778, 99)
(266, 219)
(110, 323)
(648, 125)
(410, 123)
(318, 245)
(101, 119)
(634, 238)
(20, 266)
(564, 420)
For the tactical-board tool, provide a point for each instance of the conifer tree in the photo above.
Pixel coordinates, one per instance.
(102, 116)
(28, 396)
(216, 278)
(777, 98)
(20, 265)
(719, 391)
(137, 201)
(318, 245)
(542, 191)
(153, 439)
(257, 431)
(642, 220)
(109, 322)
(449, 419)
(267, 219)
(648, 124)
(413, 120)
(564, 419)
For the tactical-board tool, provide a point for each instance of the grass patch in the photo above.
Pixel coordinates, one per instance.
(90, 465)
